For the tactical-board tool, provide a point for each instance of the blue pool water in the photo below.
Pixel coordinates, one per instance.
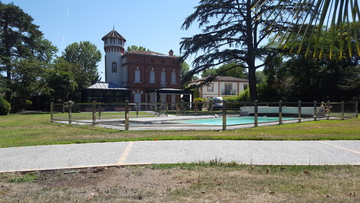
(233, 120)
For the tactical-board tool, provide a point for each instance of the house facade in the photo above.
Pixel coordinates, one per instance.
(137, 76)
(222, 86)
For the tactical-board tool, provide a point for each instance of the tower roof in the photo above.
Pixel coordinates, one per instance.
(113, 34)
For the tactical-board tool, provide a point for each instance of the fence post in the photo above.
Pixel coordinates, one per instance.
(167, 108)
(137, 110)
(356, 109)
(255, 113)
(99, 110)
(69, 112)
(327, 110)
(195, 108)
(299, 111)
(177, 108)
(342, 110)
(224, 115)
(93, 113)
(315, 110)
(280, 112)
(51, 112)
(127, 115)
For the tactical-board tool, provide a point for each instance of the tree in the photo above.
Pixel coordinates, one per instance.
(227, 70)
(136, 48)
(61, 81)
(86, 56)
(338, 17)
(27, 80)
(292, 76)
(232, 32)
(18, 38)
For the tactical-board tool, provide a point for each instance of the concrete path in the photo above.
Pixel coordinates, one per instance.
(148, 152)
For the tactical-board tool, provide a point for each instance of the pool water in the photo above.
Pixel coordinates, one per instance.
(234, 120)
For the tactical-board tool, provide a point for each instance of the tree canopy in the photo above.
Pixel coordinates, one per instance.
(24, 54)
(86, 56)
(227, 70)
(341, 19)
(232, 31)
(136, 48)
(293, 76)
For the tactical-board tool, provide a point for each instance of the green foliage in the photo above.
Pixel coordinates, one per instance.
(229, 69)
(84, 56)
(24, 53)
(244, 96)
(62, 84)
(293, 77)
(231, 32)
(27, 81)
(5, 106)
(136, 48)
(199, 99)
(332, 15)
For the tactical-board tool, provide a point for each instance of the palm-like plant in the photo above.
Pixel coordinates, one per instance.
(338, 18)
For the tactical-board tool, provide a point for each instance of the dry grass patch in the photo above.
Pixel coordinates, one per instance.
(186, 183)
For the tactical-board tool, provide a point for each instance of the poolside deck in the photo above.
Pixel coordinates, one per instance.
(169, 123)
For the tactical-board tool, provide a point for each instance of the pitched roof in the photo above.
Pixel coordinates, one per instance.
(151, 53)
(113, 34)
(106, 86)
(225, 79)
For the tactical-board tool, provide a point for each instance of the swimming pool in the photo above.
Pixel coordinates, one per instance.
(234, 120)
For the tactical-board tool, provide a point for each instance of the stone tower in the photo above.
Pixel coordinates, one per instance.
(114, 49)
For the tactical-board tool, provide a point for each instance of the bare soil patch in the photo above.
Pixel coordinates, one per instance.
(185, 183)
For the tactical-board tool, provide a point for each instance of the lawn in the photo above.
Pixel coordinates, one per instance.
(36, 129)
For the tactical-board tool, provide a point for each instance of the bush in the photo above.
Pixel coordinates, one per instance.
(199, 99)
(5, 106)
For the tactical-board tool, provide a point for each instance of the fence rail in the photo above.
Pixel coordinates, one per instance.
(94, 113)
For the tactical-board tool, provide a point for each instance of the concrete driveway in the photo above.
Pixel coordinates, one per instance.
(153, 152)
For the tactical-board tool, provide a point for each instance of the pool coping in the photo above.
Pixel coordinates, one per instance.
(169, 123)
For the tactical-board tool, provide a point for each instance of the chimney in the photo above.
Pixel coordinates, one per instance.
(171, 52)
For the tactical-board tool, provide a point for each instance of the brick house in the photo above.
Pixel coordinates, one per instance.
(137, 76)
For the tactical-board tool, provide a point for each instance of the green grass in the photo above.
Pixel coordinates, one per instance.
(36, 129)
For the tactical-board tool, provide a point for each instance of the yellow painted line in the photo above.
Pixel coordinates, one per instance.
(125, 154)
(336, 146)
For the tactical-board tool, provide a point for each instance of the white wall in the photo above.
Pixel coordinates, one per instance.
(219, 89)
(115, 78)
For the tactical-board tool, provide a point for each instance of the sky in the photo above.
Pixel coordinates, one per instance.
(153, 24)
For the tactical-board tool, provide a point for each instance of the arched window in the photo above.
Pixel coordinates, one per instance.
(114, 67)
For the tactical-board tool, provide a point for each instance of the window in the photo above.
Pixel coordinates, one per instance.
(137, 75)
(245, 87)
(228, 89)
(152, 76)
(114, 67)
(163, 77)
(210, 87)
(173, 77)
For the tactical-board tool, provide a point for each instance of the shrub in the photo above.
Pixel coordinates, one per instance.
(4, 106)
(199, 99)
